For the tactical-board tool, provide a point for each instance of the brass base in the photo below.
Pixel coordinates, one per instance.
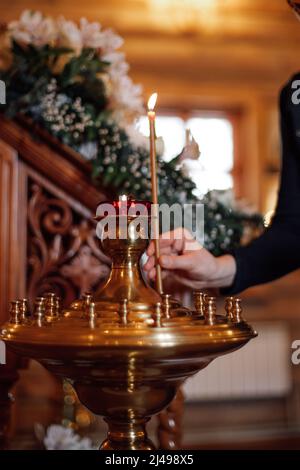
(128, 352)
(127, 435)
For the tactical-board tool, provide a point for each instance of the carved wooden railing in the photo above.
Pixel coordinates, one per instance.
(47, 240)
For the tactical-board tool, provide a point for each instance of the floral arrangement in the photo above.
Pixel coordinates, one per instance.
(58, 437)
(72, 80)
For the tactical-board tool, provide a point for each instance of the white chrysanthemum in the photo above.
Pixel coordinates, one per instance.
(140, 140)
(118, 65)
(185, 170)
(61, 438)
(126, 98)
(109, 42)
(69, 35)
(224, 197)
(33, 28)
(136, 137)
(91, 33)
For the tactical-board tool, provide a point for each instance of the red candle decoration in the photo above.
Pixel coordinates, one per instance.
(125, 206)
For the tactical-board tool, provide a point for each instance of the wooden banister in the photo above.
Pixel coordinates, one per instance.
(52, 159)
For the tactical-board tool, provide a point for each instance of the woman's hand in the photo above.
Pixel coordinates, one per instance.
(190, 263)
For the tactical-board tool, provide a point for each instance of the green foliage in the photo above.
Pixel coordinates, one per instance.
(224, 226)
(72, 105)
(80, 78)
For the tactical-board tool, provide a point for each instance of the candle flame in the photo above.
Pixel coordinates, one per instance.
(152, 101)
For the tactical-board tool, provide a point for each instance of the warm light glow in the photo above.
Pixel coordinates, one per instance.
(200, 4)
(268, 218)
(123, 197)
(152, 101)
(189, 15)
(213, 169)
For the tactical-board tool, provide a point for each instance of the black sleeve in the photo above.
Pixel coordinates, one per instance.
(277, 251)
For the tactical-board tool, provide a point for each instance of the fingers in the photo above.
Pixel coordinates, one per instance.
(192, 284)
(167, 250)
(172, 244)
(149, 263)
(163, 243)
(182, 263)
(152, 274)
(176, 239)
(151, 259)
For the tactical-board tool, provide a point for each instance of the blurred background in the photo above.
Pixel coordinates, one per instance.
(218, 66)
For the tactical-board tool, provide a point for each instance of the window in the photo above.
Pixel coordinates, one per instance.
(214, 135)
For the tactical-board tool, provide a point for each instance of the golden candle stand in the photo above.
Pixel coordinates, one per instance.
(128, 349)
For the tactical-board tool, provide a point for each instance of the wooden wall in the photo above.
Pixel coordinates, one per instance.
(233, 54)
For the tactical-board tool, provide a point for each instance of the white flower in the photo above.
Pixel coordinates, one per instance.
(109, 42)
(126, 99)
(136, 137)
(33, 28)
(185, 170)
(124, 96)
(118, 65)
(224, 197)
(190, 151)
(62, 99)
(91, 34)
(69, 35)
(88, 150)
(61, 438)
(160, 145)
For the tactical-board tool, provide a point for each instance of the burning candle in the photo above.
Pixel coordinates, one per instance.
(151, 117)
(123, 205)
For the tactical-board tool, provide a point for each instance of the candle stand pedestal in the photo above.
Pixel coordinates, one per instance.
(127, 350)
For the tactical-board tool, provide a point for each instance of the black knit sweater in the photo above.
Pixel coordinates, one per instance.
(277, 251)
